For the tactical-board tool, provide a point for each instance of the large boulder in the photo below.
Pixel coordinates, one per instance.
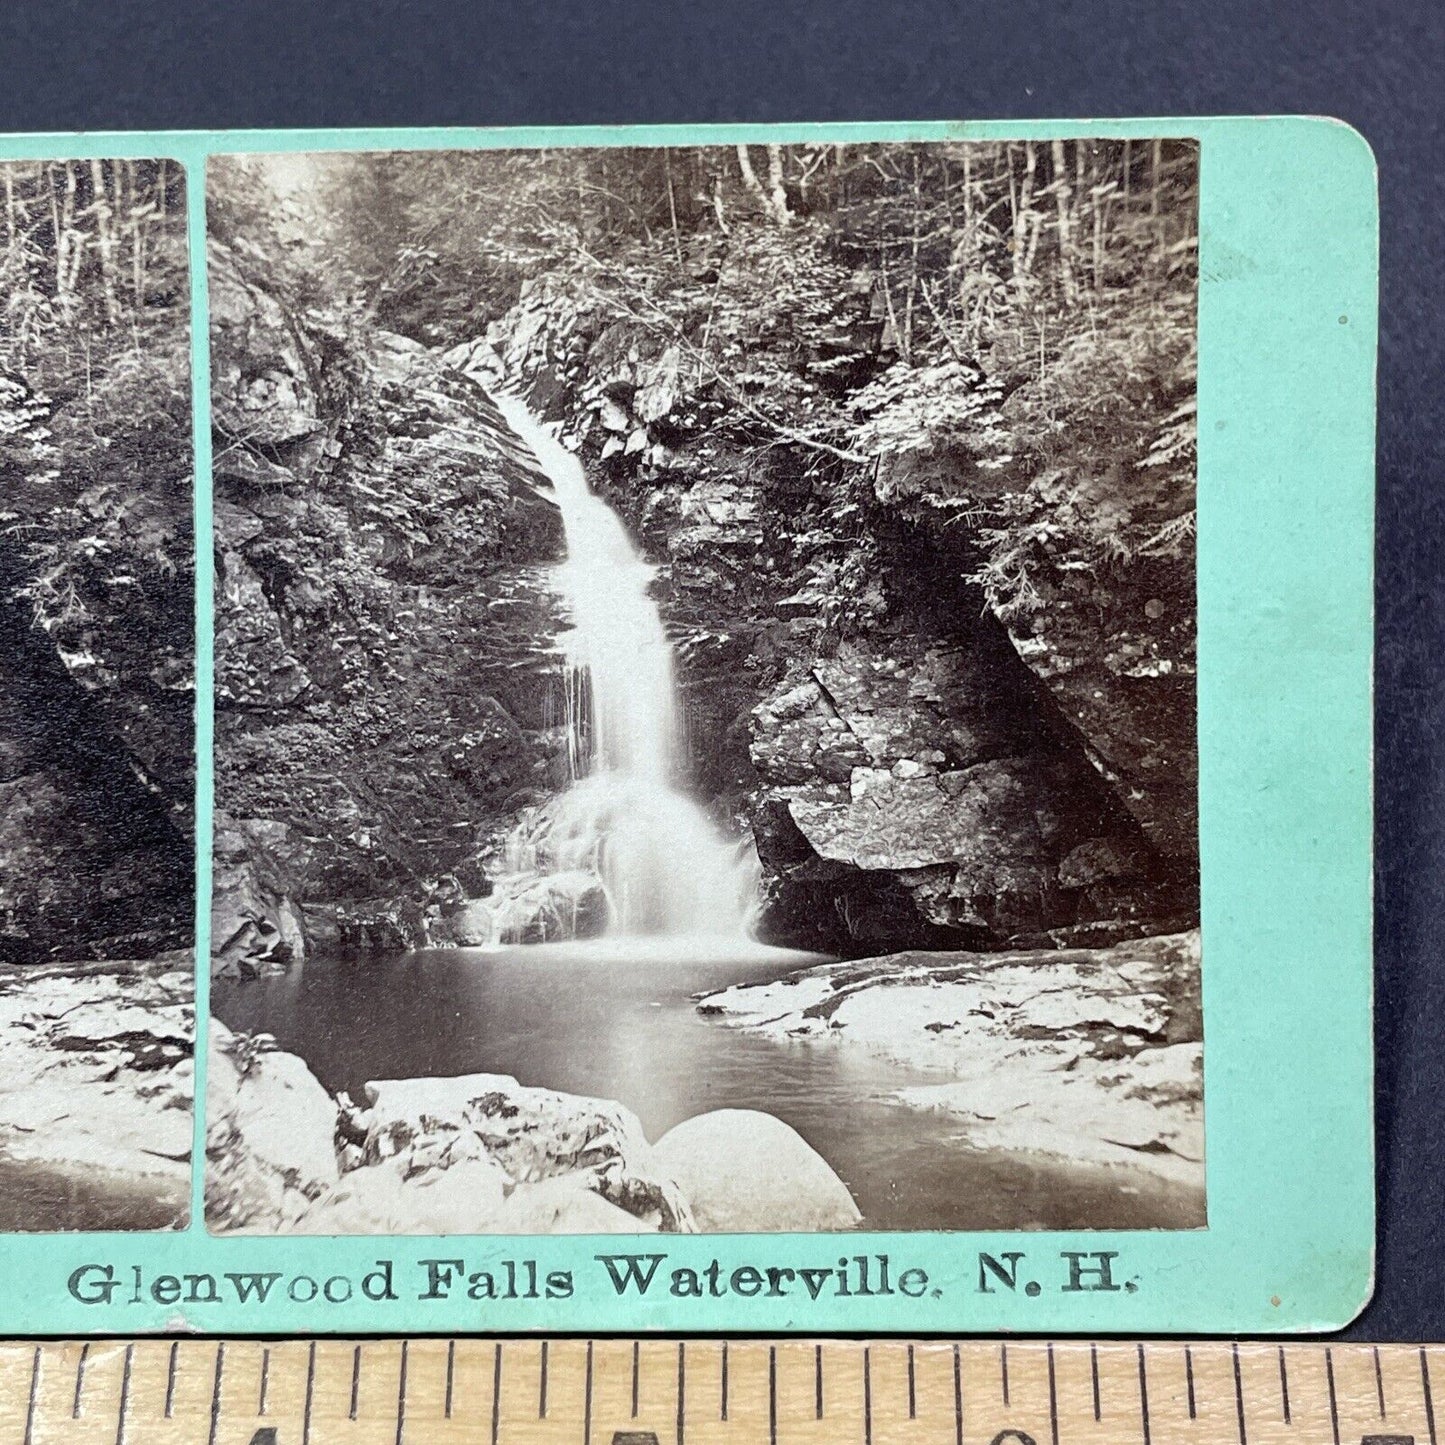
(271, 1147)
(532, 1135)
(744, 1171)
(555, 906)
(922, 772)
(469, 924)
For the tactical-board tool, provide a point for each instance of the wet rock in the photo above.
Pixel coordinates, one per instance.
(1125, 676)
(479, 1154)
(260, 373)
(255, 926)
(389, 1198)
(255, 663)
(471, 924)
(532, 1134)
(377, 521)
(1090, 1055)
(897, 821)
(555, 906)
(96, 1082)
(744, 1171)
(270, 1135)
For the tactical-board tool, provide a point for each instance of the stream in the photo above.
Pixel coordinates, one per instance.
(615, 1019)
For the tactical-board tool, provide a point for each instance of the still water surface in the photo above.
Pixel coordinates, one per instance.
(616, 1021)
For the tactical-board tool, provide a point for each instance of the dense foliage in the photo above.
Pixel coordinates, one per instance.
(95, 439)
(1022, 311)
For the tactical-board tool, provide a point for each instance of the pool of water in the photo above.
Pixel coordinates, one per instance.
(616, 1020)
(56, 1197)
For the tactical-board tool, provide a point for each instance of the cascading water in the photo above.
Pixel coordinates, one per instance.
(665, 868)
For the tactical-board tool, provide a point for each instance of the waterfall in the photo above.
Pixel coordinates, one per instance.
(625, 820)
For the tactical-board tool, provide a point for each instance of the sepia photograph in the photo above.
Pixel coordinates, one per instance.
(97, 697)
(705, 714)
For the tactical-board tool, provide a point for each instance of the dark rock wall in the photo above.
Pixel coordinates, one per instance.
(97, 646)
(383, 665)
(97, 863)
(914, 774)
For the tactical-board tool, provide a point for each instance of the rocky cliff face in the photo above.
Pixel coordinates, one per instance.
(383, 628)
(917, 767)
(95, 780)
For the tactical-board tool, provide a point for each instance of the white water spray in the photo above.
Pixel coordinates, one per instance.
(664, 866)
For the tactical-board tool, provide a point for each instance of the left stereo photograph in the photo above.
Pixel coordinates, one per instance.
(97, 697)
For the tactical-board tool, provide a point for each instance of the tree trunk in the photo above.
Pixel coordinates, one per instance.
(671, 204)
(1062, 196)
(1023, 213)
(775, 185)
(775, 205)
(104, 241)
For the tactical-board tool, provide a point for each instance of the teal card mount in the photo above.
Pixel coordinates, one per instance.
(756, 729)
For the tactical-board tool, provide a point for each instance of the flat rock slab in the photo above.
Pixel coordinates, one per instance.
(96, 1085)
(1090, 1055)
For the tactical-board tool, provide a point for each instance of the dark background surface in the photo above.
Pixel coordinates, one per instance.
(127, 64)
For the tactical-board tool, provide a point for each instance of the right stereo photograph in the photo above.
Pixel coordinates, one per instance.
(705, 711)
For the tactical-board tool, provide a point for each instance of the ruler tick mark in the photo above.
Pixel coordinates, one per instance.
(542, 1386)
(1239, 1396)
(401, 1397)
(171, 1380)
(681, 1388)
(497, 1392)
(1330, 1385)
(124, 1395)
(1429, 1402)
(79, 1381)
(355, 1380)
(1003, 1366)
(723, 1391)
(817, 1382)
(912, 1388)
(451, 1372)
(1054, 1399)
(1189, 1380)
(1094, 1373)
(867, 1396)
(773, 1395)
(34, 1390)
(216, 1391)
(260, 1395)
(587, 1399)
(957, 1398)
(310, 1394)
(636, 1348)
(1379, 1382)
(1143, 1397)
(1284, 1386)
